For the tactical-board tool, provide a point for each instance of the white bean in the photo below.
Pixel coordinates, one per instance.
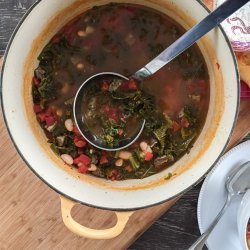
(65, 89)
(89, 30)
(80, 66)
(143, 146)
(119, 162)
(67, 159)
(81, 33)
(93, 167)
(69, 125)
(59, 112)
(125, 155)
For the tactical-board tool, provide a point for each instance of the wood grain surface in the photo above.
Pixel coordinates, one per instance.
(30, 211)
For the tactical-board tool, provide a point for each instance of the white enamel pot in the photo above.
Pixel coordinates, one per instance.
(43, 20)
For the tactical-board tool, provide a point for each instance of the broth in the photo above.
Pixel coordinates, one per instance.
(122, 38)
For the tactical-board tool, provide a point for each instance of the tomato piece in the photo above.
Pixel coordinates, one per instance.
(80, 143)
(104, 87)
(50, 120)
(84, 159)
(36, 81)
(148, 156)
(83, 169)
(132, 84)
(103, 160)
(37, 108)
(76, 131)
(42, 116)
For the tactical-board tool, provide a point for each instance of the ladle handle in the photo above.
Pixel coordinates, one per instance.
(190, 37)
(198, 244)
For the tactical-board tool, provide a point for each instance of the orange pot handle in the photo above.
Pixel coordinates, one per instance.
(104, 234)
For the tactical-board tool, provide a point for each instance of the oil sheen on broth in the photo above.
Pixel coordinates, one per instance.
(122, 38)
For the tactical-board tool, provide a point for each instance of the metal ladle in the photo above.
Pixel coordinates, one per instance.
(238, 182)
(179, 46)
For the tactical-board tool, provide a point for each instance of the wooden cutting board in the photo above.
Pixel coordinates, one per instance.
(30, 215)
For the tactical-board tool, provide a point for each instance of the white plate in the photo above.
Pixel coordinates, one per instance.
(213, 196)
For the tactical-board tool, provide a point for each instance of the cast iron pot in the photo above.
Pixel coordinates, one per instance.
(37, 27)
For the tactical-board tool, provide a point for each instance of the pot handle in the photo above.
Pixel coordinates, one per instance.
(104, 234)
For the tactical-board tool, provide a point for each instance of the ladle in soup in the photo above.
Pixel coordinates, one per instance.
(131, 128)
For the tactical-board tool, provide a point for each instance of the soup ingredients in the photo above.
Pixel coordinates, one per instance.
(121, 38)
(104, 109)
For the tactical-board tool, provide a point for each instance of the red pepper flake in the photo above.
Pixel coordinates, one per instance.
(36, 81)
(83, 169)
(132, 84)
(175, 126)
(104, 87)
(218, 66)
(184, 122)
(103, 160)
(148, 156)
(37, 108)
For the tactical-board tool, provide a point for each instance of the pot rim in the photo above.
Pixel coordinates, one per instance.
(103, 207)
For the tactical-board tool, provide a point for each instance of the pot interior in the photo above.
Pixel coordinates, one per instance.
(42, 21)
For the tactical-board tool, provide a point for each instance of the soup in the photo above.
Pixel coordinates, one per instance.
(122, 38)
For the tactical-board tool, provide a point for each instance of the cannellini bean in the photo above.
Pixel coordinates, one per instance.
(93, 167)
(89, 30)
(119, 162)
(67, 159)
(59, 112)
(65, 89)
(81, 33)
(143, 146)
(69, 125)
(80, 66)
(125, 155)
